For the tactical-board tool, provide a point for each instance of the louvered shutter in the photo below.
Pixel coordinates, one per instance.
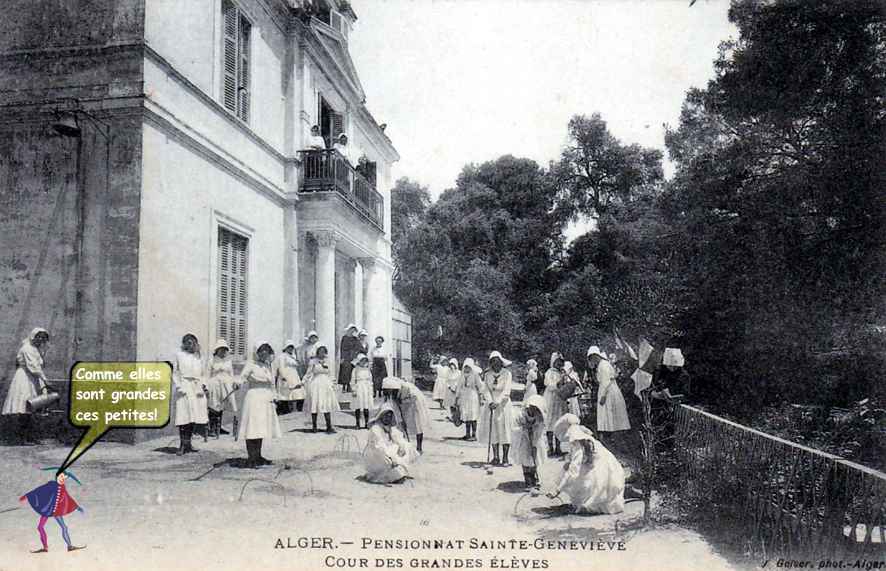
(232, 303)
(243, 76)
(335, 20)
(230, 47)
(338, 125)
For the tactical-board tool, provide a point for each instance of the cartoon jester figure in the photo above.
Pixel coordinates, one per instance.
(51, 500)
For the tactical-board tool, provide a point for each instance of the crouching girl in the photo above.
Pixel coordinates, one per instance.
(388, 454)
(593, 479)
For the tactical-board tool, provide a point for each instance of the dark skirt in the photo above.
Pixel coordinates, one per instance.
(379, 372)
(344, 373)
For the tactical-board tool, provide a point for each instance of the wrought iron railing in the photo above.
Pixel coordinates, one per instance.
(778, 497)
(328, 171)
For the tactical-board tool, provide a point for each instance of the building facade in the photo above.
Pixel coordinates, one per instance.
(157, 178)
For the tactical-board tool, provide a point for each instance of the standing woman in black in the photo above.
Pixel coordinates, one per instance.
(348, 349)
(379, 365)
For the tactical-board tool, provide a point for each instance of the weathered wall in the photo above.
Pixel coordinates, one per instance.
(83, 55)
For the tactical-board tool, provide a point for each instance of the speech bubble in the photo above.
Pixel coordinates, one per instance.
(107, 395)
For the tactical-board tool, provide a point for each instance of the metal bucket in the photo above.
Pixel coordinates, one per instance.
(40, 402)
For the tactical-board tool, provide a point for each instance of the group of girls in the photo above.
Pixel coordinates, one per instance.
(592, 478)
(204, 392)
(560, 386)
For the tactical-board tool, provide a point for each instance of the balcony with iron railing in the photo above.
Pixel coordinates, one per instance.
(327, 171)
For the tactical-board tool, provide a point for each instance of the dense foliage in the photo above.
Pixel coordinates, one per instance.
(764, 256)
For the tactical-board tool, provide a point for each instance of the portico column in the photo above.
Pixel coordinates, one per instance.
(359, 280)
(290, 277)
(373, 283)
(325, 293)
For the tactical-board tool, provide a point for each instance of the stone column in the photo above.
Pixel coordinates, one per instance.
(359, 294)
(291, 313)
(374, 299)
(325, 293)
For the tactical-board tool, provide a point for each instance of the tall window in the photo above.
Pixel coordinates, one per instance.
(235, 91)
(233, 264)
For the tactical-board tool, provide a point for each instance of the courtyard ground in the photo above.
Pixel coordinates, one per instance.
(148, 509)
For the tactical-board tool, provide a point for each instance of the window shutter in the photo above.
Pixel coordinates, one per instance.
(335, 20)
(229, 87)
(338, 125)
(232, 303)
(243, 79)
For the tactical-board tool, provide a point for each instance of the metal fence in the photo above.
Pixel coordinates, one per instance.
(776, 497)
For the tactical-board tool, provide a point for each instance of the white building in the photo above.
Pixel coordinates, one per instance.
(184, 196)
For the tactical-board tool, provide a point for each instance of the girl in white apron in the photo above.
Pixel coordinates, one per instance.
(321, 394)
(259, 409)
(222, 387)
(440, 381)
(497, 415)
(593, 478)
(289, 384)
(555, 406)
(469, 398)
(28, 382)
(191, 407)
(361, 381)
(453, 381)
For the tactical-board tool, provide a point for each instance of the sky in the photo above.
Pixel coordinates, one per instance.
(463, 81)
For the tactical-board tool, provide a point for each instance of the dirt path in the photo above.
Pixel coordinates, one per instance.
(143, 511)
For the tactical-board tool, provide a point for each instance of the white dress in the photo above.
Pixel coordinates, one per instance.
(415, 409)
(453, 381)
(289, 383)
(191, 405)
(497, 389)
(221, 385)
(469, 397)
(387, 454)
(259, 411)
(321, 394)
(597, 487)
(27, 381)
(529, 441)
(361, 382)
(530, 389)
(554, 405)
(440, 382)
(613, 415)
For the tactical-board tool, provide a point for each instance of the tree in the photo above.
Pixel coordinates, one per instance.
(596, 171)
(778, 202)
(480, 258)
(409, 204)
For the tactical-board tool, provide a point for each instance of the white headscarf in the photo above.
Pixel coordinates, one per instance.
(594, 350)
(220, 344)
(497, 355)
(358, 358)
(258, 345)
(554, 357)
(539, 403)
(532, 364)
(454, 361)
(469, 362)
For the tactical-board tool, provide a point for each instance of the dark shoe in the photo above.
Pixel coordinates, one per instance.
(76, 547)
(41, 550)
(222, 431)
(496, 462)
(330, 430)
(263, 461)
